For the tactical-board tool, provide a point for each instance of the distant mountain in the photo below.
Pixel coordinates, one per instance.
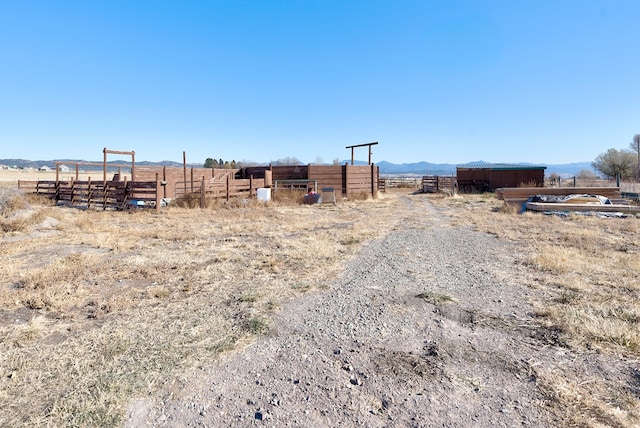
(421, 168)
(426, 168)
(388, 168)
(24, 163)
(568, 169)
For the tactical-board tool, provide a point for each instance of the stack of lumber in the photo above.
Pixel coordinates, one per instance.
(588, 207)
(520, 195)
(583, 201)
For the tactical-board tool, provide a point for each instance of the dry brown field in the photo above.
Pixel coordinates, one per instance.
(99, 307)
(11, 176)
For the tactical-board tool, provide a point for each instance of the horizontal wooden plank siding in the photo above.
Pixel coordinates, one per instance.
(492, 179)
(361, 180)
(329, 176)
(289, 172)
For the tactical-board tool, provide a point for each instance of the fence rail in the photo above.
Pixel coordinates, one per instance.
(438, 183)
(99, 194)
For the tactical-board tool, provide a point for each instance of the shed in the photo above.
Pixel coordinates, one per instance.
(483, 176)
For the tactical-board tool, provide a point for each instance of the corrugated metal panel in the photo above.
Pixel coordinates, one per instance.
(499, 166)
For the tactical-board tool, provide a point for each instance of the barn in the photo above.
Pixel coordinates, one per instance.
(487, 177)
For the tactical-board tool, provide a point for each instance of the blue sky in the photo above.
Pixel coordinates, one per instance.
(438, 81)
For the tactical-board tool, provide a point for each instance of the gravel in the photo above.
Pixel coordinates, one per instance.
(428, 326)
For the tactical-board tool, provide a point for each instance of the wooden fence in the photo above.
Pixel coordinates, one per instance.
(99, 194)
(439, 183)
(221, 186)
(152, 184)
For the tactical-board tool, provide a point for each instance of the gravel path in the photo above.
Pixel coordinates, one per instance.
(428, 326)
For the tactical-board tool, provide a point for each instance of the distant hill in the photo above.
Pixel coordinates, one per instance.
(426, 168)
(24, 163)
(388, 168)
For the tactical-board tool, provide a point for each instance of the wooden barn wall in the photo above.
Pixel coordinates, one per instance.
(345, 179)
(289, 172)
(329, 176)
(175, 176)
(361, 179)
(502, 178)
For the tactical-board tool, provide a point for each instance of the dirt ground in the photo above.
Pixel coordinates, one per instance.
(429, 326)
(409, 310)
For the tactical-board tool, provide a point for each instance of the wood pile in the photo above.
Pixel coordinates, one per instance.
(522, 195)
(541, 206)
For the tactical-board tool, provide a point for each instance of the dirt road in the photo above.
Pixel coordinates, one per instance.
(428, 326)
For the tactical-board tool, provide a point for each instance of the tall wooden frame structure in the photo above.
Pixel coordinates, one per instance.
(362, 145)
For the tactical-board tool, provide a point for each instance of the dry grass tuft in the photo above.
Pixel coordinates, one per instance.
(588, 267)
(434, 297)
(110, 305)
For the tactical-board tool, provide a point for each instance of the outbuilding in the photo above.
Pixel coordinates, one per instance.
(487, 177)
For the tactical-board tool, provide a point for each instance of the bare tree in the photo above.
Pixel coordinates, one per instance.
(615, 162)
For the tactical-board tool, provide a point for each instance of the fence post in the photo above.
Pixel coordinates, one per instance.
(73, 192)
(228, 186)
(251, 186)
(88, 192)
(202, 194)
(157, 192)
(164, 178)
(373, 181)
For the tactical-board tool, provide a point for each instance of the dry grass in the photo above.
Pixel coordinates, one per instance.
(98, 307)
(588, 269)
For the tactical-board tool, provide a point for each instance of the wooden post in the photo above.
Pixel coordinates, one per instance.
(268, 178)
(88, 192)
(157, 192)
(228, 186)
(352, 155)
(202, 193)
(184, 170)
(251, 185)
(104, 165)
(133, 165)
(191, 180)
(164, 178)
(373, 180)
(124, 194)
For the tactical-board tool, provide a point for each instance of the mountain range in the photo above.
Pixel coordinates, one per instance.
(416, 168)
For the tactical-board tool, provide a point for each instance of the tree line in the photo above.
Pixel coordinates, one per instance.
(219, 163)
(624, 163)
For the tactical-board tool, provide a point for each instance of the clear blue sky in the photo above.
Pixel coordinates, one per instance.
(540, 81)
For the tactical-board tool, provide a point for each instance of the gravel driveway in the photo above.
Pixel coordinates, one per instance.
(428, 326)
